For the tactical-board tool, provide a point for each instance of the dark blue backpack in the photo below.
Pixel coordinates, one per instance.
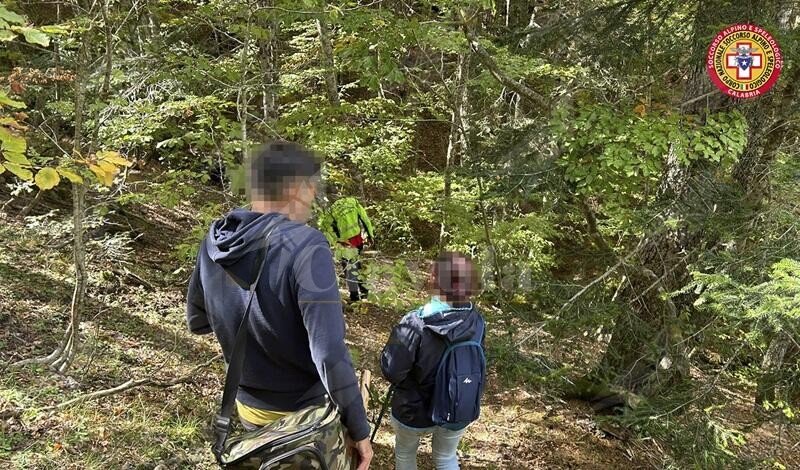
(459, 383)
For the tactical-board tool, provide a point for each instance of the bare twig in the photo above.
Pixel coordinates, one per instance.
(133, 383)
(603, 276)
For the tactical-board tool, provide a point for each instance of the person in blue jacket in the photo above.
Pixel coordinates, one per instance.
(296, 353)
(412, 355)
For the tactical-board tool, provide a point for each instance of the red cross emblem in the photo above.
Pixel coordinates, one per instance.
(732, 62)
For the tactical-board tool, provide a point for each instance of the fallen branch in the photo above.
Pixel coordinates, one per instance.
(149, 382)
(127, 274)
(29, 207)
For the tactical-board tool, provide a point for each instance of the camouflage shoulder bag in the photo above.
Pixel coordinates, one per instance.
(311, 438)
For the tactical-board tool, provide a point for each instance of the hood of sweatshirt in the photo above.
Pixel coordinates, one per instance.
(234, 240)
(455, 325)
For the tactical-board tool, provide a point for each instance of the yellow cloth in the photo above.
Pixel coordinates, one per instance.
(258, 416)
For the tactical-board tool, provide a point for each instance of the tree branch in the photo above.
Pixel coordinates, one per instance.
(603, 276)
(148, 382)
(518, 87)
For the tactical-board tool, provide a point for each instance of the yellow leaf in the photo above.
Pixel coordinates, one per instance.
(6, 101)
(47, 178)
(2, 169)
(22, 173)
(108, 167)
(72, 177)
(102, 176)
(113, 157)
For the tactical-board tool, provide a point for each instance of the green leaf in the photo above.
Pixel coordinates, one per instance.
(16, 157)
(11, 142)
(10, 16)
(2, 169)
(6, 35)
(6, 101)
(47, 178)
(54, 29)
(22, 173)
(33, 35)
(72, 177)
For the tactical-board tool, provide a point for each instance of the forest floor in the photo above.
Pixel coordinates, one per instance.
(134, 328)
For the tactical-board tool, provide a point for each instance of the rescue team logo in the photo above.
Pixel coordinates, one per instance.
(744, 61)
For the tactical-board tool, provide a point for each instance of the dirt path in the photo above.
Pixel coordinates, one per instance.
(517, 429)
(134, 331)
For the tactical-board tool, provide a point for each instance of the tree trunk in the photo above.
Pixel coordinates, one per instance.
(646, 352)
(269, 67)
(243, 100)
(326, 49)
(771, 365)
(497, 265)
(455, 143)
(63, 361)
(62, 357)
(769, 124)
(29, 207)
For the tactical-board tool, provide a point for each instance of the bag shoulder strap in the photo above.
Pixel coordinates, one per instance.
(221, 424)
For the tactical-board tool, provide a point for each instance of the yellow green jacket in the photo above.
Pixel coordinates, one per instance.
(344, 219)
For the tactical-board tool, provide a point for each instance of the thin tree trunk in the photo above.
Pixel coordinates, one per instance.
(518, 87)
(67, 355)
(497, 266)
(243, 100)
(771, 365)
(269, 66)
(456, 141)
(62, 357)
(72, 336)
(29, 207)
(326, 49)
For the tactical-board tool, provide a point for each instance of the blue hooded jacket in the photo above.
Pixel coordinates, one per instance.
(296, 351)
(412, 355)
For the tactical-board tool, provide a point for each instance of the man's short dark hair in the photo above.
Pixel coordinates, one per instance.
(275, 166)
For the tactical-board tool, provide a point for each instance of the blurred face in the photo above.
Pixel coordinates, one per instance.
(299, 197)
(451, 277)
(295, 201)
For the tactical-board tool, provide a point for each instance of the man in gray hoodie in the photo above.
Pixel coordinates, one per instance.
(296, 352)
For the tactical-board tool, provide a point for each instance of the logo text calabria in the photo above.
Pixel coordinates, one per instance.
(744, 61)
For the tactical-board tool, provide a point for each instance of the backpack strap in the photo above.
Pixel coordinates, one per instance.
(222, 420)
(481, 330)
